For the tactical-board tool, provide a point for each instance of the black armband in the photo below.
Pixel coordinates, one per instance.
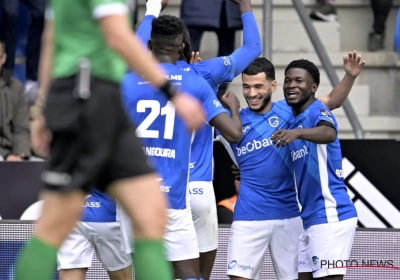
(326, 123)
(169, 90)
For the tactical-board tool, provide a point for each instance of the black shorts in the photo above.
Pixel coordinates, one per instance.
(94, 142)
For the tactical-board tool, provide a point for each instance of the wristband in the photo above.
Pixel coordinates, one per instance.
(153, 7)
(169, 90)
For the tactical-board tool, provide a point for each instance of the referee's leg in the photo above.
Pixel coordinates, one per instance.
(65, 185)
(137, 188)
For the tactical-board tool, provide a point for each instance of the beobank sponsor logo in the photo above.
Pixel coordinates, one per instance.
(253, 146)
(232, 264)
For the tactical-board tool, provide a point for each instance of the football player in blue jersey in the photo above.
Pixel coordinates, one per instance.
(99, 230)
(329, 216)
(267, 213)
(168, 143)
(216, 71)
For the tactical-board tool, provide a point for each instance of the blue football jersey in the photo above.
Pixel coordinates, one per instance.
(99, 207)
(164, 134)
(267, 187)
(214, 71)
(318, 171)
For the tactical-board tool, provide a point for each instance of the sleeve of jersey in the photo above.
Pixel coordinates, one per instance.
(321, 114)
(219, 69)
(144, 30)
(211, 104)
(251, 47)
(103, 8)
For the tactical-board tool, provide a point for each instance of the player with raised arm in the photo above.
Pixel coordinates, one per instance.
(329, 216)
(168, 144)
(267, 212)
(216, 71)
(89, 136)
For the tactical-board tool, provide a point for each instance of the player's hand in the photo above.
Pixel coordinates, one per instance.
(236, 172)
(41, 137)
(353, 64)
(164, 3)
(283, 137)
(230, 101)
(190, 110)
(195, 57)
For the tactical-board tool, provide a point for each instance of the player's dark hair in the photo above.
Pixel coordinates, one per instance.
(165, 30)
(187, 51)
(306, 65)
(261, 65)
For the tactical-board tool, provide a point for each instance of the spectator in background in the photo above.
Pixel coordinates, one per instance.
(325, 11)
(220, 16)
(14, 118)
(380, 9)
(8, 33)
(226, 206)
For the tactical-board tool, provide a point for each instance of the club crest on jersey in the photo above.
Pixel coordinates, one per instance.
(273, 121)
(325, 113)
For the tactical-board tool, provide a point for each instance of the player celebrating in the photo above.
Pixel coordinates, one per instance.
(329, 216)
(168, 143)
(90, 138)
(215, 71)
(267, 212)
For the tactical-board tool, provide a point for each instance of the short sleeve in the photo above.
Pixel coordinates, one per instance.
(103, 8)
(219, 69)
(319, 114)
(211, 104)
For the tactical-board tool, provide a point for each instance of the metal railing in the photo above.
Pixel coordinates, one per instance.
(319, 48)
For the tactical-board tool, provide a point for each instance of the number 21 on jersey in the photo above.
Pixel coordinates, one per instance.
(168, 111)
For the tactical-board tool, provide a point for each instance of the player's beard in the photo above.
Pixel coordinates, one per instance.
(265, 102)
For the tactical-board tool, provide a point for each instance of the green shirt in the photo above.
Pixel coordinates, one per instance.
(77, 34)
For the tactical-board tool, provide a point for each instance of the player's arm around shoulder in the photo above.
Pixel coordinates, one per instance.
(322, 129)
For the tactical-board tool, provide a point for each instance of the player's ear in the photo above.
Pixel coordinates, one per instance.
(182, 48)
(150, 45)
(273, 86)
(314, 88)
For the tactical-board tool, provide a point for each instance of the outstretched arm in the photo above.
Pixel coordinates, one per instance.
(153, 10)
(251, 47)
(353, 65)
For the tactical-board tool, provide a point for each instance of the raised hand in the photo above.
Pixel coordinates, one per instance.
(229, 100)
(195, 57)
(353, 64)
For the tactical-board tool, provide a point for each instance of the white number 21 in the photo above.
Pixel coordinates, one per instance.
(168, 111)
